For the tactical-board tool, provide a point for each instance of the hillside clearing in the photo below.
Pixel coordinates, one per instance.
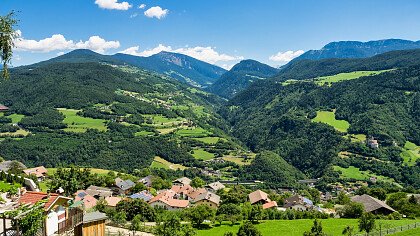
(355, 173)
(345, 76)
(328, 117)
(159, 162)
(410, 153)
(201, 154)
(78, 124)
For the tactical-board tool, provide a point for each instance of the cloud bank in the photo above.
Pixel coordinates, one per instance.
(285, 57)
(113, 5)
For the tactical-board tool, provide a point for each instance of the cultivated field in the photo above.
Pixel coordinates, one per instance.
(78, 124)
(328, 117)
(159, 163)
(345, 76)
(411, 153)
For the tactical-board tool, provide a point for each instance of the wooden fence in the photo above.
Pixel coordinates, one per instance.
(390, 231)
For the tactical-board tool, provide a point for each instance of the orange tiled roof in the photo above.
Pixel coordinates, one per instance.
(269, 205)
(33, 197)
(39, 171)
(258, 196)
(113, 201)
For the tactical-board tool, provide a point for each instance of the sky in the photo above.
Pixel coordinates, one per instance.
(220, 32)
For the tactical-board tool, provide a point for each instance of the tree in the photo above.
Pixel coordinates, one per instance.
(231, 212)
(170, 225)
(255, 214)
(101, 205)
(200, 213)
(135, 207)
(352, 210)
(119, 218)
(7, 36)
(316, 229)
(342, 198)
(248, 229)
(136, 224)
(367, 222)
(348, 230)
(197, 182)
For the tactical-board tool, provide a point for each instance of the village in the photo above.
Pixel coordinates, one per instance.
(78, 213)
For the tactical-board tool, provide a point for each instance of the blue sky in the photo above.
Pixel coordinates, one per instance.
(221, 32)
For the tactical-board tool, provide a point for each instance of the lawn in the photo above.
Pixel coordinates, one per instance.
(201, 154)
(298, 227)
(193, 132)
(410, 232)
(354, 173)
(410, 153)
(80, 124)
(328, 117)
(159, 163)
(208, 140)
(345, 76)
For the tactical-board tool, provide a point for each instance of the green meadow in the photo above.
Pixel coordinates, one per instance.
(355, 173)
(197, 132)
(159, 163)
(208, 140)
(78, 124)
(410, 153)
(201, 154)
(298, 227)
(345, 76)
(328, 117)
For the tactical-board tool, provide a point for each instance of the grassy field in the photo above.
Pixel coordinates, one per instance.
(80, 124)
(17, 133)
(328, 117)
(16, 118)
(298, 227)
(357, 137)
(193, 132)
(354, 173)
(410, 232)
(410, 153)
(144, 133)
(238, 160)
(345, 76)
(201, 154)
(159, 162)
(4, 187)
(51, 171)
(208, 140)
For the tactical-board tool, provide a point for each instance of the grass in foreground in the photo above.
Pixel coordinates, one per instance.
(159, 163)
(328, 117)
(298, 227)
(80, 124)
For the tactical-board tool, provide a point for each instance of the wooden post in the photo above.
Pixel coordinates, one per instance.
(17, 230)
(4, 226)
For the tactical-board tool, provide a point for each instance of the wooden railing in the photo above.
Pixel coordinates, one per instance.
(75, 217)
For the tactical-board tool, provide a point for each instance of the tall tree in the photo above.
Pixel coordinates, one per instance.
(7, 36)
(367, 222)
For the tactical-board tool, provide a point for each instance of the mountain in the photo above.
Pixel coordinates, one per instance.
(307, 69)
(277, 116)
(356, 49)
(115, 117)
(240, 77)
(181, 67)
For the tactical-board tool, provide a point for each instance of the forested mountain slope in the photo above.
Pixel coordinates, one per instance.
(240, 77)
(177, 66)
(273, 116)
(107, 116)
(356, 49)
(305, 69)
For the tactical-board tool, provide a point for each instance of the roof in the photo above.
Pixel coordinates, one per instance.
(215, 186)
(88, 200)
(94, 216)
(166, 197)
(186, 189)
(5, 165)
(269, 205)
(113, 201)
(3, 108)
(124, 184)
(297, 200)
(32, 198)
(144, 195)
(196, 192)
(99, 191)
(209, 197)
(370, 203)
(146, 180)
(258, 196)
(39, 171)
(183, 180)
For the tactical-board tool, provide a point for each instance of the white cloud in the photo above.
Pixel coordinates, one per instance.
(285, 57)
(157, 12)
(60, 53)
(113, 5)
(142, 6)
(207, 54)
(58, 42)
(227, 66)
(134, 15)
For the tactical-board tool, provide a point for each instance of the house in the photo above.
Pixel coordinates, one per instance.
(56, 209)
(298, 203)
(373, 143)
(40, 172)
(88, 201)
(112, 201)
(182, 181)
(373, 205)
(326, 197)
(268, 205)
(144, 195)
(124, 186)
(3, 108)
(258, 197)
(167, 201)
(195, 193)
(214, 187)
(182, 191)
(210, 199)
(99, 192)
(93, 224)
(147, 181)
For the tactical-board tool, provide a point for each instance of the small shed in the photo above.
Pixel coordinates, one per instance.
(93, 224)
(3, 108)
